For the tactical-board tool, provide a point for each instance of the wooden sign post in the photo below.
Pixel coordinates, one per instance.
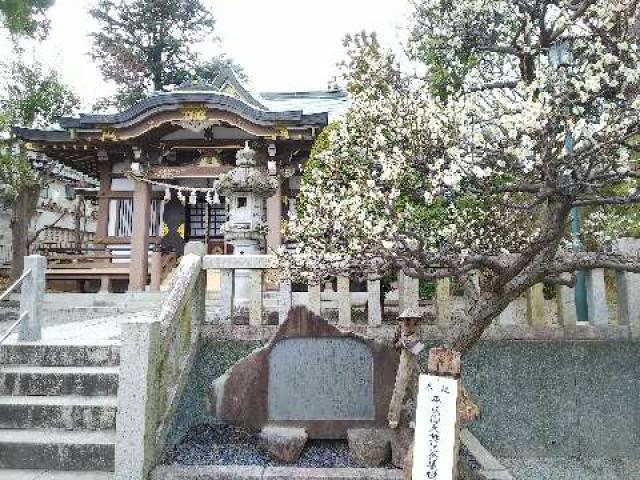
(434, 455)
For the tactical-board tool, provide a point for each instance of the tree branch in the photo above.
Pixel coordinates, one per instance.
(43, 229)
(621, 200)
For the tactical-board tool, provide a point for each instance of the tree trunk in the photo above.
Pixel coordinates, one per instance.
(23, 210)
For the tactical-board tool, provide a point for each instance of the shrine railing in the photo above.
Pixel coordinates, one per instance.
(551, 311)
(157, 353)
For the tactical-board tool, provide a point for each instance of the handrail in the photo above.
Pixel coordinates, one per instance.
(13, 327)
(6, 293)
(15, 284)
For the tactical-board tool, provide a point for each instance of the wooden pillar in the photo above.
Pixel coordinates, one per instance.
(138, 268)
(105, 284)
(156, 271)
(102, 225)
(274, 219)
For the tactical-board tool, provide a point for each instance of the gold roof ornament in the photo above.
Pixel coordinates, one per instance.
(194, 113)
(109, 134)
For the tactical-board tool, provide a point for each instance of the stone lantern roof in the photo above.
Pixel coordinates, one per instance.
(246, 177)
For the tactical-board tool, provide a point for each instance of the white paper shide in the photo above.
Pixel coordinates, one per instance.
(433, 453)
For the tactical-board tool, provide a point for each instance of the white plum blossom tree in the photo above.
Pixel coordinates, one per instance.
(476, 165)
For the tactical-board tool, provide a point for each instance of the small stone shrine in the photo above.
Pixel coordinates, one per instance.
(310, 381)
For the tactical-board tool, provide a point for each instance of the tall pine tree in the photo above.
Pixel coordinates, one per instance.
(145, 45)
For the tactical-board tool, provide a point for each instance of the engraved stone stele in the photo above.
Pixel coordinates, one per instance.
(310, 375)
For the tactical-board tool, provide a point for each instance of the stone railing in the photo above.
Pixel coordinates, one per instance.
(156, 356)
(529, 317)
(253, 269)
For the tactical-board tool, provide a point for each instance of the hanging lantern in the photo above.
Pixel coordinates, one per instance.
(208, 198)
(192, 198)
(181, 197)
(167, 194)
(216, 198)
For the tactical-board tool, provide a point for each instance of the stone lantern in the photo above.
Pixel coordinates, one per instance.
(246, 188)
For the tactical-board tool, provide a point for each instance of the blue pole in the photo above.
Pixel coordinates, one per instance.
(582, 309)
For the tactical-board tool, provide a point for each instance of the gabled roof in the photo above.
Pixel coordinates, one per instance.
(177, 98)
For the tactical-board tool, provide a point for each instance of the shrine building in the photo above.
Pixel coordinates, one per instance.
(158, 163)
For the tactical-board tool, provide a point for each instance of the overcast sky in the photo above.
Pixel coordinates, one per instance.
(284, 45)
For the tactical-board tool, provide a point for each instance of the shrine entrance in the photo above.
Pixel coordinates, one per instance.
(203, 223)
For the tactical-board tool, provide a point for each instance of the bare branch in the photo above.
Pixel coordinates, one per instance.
(43, 229)
(621, 200)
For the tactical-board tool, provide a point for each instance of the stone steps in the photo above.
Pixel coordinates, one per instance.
(37, 380)
(54, 475)
(57, 450)
(58, 408)
(66, 412)
(60, 355)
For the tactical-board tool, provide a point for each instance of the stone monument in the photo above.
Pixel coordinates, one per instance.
(311, 381)
(246, 188)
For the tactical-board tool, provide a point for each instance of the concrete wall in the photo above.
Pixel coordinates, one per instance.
(557, 399)
(537, 398)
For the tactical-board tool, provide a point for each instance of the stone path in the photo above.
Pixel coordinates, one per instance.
(100, 331)
(572, 468)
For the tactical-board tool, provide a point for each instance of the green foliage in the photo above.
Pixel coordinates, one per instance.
(145, 44)
(426, 289)
(34, 97)
(25, 17)
(16, 174)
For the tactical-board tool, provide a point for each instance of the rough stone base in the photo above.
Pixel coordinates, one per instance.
(282, 443)
(370, 447)
(401, 439)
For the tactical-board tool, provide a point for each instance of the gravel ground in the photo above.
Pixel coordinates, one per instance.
(216, 444)
(572, 468)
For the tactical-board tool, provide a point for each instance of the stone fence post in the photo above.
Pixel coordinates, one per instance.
(628, 296)
(597, 298)
(314, 298)
(443, 301)
(375, 305)
(344, 301)
(31, 298)
(536, 315)
(136, 417)
(284, 303)
(408, 292)
(566, 301)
